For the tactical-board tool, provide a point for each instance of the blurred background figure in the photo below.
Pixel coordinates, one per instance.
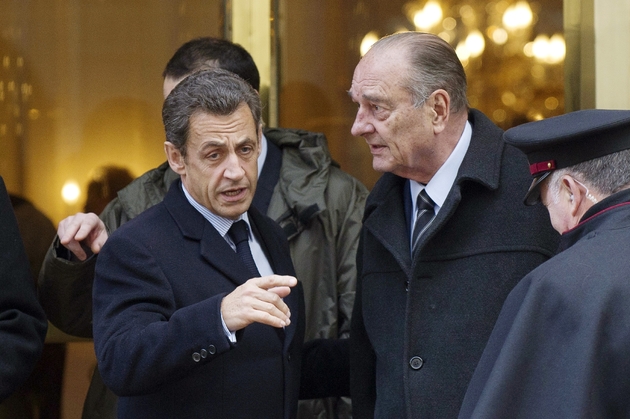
(102, 188)
(40, 396)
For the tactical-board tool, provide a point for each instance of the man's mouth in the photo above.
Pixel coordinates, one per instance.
(376, 147)
(234, 194)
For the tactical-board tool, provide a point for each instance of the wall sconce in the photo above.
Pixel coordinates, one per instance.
(368, 40)
(70, 192)
(518, 16)
(429, 16)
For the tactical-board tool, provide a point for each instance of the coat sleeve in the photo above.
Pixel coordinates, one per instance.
(347, 241)
(23, 324)
(141, 338)
(65, 283)
(557, 350)
(362, 358)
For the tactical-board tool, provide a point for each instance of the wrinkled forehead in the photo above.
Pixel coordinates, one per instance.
(377, 78)
(378, 61)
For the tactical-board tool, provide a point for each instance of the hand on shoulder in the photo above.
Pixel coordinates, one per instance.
(86, 229)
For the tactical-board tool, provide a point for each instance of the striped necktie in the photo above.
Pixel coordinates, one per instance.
(424, 217)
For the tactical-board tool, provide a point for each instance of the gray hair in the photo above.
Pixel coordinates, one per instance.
(605, 175)
(215, 91)
(433, 65)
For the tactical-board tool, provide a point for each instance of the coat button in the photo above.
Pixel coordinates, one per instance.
(203, 353)
(212, 350)
(416, 363)
(196, 357)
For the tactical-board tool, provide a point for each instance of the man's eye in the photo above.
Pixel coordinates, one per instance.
(213, 156)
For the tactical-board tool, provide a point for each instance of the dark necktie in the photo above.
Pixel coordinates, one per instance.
(240, 236)
(426, 213)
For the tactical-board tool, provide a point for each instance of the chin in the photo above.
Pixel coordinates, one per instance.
(233, 212)
(381, 166)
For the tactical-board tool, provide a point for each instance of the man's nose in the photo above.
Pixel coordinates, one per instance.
(233, 167)
(361, 125)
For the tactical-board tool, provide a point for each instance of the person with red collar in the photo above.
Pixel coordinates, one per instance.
(561, 345)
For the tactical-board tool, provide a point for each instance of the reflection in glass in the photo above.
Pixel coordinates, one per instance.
(499, 42)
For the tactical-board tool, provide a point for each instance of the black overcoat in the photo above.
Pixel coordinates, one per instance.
(561, 345)
(23, 324)
(419, 326)
(159, 340)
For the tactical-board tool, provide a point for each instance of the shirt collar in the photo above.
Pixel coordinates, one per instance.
(443, 180)
(221, 224)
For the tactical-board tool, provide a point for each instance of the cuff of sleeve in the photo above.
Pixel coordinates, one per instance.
(230, 335)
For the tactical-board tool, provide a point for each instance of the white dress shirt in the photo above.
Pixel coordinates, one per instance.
(443, 180)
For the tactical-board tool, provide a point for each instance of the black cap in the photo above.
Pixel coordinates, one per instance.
(566, 140)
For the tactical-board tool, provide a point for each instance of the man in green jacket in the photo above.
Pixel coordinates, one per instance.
(319, 207)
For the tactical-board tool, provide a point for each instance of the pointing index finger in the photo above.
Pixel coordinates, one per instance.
(272, 281)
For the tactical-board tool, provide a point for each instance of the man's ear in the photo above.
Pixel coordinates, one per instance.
(175, 158)
(440, 107)
(574, 194)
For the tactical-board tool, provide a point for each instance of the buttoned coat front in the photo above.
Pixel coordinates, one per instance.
(419, 325)
(159, 340)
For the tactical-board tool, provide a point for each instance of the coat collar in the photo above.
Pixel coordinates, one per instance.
(218, 253)
(611, 212)
(482, 164)
(303, 179)
(268, 178)
(147, 190)
(213, 247)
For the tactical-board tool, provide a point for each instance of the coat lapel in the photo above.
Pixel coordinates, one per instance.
(212, 247)
(218, 253)
(379, 213)
(482, 164)
(280, 262)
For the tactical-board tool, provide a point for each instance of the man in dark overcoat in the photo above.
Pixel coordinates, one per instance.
(430, 288)
(187, 323)
(23, 324)
(561, 345)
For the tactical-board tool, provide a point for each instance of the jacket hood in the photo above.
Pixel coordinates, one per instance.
(306, 164)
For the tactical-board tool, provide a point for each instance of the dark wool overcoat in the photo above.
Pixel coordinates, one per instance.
(158, 335)
(23, 324)
(419, 325)
(561, 345)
